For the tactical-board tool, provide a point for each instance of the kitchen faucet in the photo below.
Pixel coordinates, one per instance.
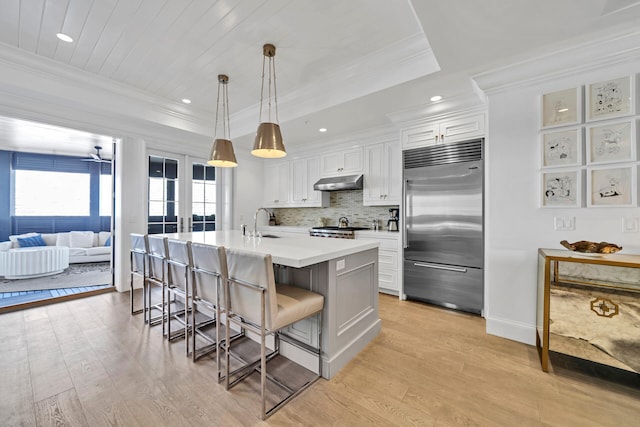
(255, 220)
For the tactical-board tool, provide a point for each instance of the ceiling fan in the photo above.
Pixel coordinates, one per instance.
(96, 157)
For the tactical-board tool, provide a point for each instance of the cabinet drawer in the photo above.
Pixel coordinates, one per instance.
(388, 280)
(387, 260)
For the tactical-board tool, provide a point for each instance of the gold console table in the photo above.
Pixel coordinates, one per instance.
(589, 307)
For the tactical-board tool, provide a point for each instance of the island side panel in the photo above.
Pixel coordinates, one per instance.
(351, 309)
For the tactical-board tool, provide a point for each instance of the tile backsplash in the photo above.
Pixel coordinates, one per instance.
(342, 203)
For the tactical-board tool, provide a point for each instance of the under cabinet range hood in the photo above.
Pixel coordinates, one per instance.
(338, 183)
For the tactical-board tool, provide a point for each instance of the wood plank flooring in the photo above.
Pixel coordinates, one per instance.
(89, 363)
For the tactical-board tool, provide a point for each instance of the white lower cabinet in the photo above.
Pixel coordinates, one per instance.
(388, 265)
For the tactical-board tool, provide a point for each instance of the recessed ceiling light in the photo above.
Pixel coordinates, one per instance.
(186, 100)
(322, 130)
(435, 98)
(64, 37)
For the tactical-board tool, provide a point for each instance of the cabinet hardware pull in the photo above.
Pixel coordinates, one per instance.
(439, 267)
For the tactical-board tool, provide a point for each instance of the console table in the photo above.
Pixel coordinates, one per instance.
(589, 307)
(37, 261)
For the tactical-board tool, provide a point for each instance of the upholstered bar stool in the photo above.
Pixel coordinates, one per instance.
(138, 263)
(209, 272)
(256, 303)
(177, 307)
(157, 277)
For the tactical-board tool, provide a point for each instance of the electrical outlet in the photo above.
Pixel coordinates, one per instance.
(340, 265)
(564, 223)
(629, 224)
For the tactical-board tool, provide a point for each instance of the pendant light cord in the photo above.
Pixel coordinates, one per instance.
(272, 72)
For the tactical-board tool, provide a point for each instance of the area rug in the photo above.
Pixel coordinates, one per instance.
(76, 276)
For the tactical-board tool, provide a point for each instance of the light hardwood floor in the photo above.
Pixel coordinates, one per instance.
(89, 363)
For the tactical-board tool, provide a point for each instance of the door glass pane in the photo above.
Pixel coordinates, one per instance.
(203, 198)
(163, 195)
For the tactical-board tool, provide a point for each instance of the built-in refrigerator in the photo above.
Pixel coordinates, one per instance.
(443, 225)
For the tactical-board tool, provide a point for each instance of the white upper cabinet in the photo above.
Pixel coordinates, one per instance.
(304, 173)
(344, 162)
(276, 185)
(441, 132)
(382, 175)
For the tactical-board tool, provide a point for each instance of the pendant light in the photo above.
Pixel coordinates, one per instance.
(268, 142)
(222, 154)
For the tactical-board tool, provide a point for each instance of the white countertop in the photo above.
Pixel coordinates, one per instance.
(290, 251)
(383, 234)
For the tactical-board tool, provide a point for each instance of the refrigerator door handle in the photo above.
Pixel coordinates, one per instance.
(440, 267)
(405, 242)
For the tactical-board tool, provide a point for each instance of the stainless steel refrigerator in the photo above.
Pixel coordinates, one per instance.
(443, 225)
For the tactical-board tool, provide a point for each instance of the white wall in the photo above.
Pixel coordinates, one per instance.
(515, 224)
(247, 194)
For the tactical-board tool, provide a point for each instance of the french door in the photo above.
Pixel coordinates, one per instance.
(182, 194)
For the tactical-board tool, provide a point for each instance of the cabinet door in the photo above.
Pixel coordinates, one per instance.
(419, 136)
(374, 171)
(462, 128)
(299, 184)
(352, 161)
(346, 162)
(276, 184)
(383, 175)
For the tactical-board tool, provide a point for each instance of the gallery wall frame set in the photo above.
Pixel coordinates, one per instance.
(601, 133)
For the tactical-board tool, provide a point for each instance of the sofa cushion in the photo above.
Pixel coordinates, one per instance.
(98, 250)
(81, 239)
(14, 238)
(28, 242)
(5, 246)
(103, 236)
(62, 239)
(50, 238)
(77, 252)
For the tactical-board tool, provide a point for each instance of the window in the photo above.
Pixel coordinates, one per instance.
(203, 194)
(41, 193)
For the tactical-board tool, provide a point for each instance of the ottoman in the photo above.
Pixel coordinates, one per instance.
(37, 261)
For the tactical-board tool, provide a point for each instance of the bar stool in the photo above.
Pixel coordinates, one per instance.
(138, 263)
(157, 255)
(209, 272)
(177, 285)
(255, 302)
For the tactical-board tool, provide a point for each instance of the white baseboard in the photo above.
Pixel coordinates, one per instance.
(516, 331)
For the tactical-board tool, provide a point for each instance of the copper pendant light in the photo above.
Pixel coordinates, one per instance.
(268, 142)
(222, 154)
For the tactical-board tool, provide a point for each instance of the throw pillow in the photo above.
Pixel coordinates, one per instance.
(14, 239)
(62, 239)
(81, 239)
(108, 242)
(5, 246)
(28, 242)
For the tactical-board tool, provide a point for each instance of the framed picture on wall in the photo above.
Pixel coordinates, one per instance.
(561, 189)
(611, 98)
(561, 148)
(561, 108)
(612, 142)
(612, 186)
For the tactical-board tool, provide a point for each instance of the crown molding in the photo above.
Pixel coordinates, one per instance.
(620, 48)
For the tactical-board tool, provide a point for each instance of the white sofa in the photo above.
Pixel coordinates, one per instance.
(84, 246)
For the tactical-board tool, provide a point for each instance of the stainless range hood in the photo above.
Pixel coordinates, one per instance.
(338, 183)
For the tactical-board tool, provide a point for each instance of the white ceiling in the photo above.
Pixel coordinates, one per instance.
(343, 65)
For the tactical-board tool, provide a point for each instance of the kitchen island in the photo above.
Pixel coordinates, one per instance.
(344, 271)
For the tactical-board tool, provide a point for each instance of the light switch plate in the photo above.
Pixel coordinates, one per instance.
(630, 224)
(564, 223)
